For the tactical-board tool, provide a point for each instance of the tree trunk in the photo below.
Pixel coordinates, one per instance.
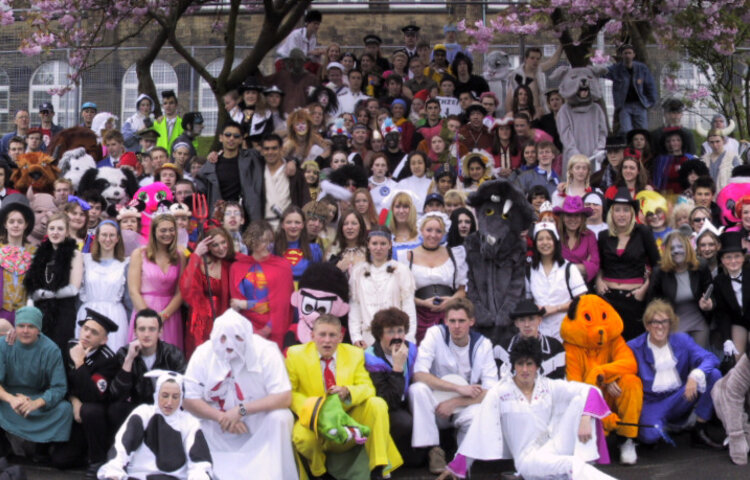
(143, 69)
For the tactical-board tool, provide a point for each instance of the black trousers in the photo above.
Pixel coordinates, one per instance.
(401, 426)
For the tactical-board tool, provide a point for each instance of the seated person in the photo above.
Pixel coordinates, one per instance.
(451, 349)
(390, 361)
(550, 428)
(729, 395)
(242, 397)
(160, 440)
(677, 376)
(147, 352)
(91, 366)
(325, 366)
(527, 317)
(32, 385)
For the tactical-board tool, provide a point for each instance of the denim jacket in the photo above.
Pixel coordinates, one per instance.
(644, 83)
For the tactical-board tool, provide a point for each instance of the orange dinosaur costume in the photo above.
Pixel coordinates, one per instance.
(596, 353)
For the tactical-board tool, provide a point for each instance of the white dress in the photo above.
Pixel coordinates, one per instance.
(102, 290)
(552, 290)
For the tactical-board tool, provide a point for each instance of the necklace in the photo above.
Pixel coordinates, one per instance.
(430, 249)
(48, 277)
(352, 250)
(476, 139)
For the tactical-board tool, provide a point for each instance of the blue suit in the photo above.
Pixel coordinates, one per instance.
(664, 407)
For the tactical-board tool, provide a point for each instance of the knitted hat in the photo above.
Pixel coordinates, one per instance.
(30, 316)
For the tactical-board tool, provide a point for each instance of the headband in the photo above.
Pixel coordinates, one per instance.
(110, 222)
(378, 233)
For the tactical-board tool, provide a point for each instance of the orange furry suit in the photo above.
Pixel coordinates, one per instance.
(596, 353)
(75, 137)
(37, 170)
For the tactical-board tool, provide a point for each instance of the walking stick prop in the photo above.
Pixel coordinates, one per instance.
(200, 211)
(658, 428)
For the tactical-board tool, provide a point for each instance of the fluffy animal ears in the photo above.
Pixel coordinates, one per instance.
(573, 308)
(30, 193)
(559, 72)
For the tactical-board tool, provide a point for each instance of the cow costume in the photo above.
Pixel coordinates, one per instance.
(153, 443)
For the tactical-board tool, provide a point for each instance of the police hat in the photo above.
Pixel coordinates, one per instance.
(105, 322)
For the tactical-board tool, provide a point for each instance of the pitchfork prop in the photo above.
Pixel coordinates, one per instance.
(200, 212)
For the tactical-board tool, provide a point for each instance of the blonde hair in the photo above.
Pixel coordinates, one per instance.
(404, 198)
(661, 306)
(151, 247)
(575, 160)
(60, 216)
(682, 209)
(611, 223)
(453, 195)
(667, 262)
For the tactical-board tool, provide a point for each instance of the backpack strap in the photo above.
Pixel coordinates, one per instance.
(567, 278)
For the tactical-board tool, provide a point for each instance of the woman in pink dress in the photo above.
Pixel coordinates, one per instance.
(154, 276)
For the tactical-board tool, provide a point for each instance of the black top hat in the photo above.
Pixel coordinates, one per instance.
(250, 84)
(623, 196)
(105, 322)
(673, 105)
(475, 106)
(411, 28)
(17, 202)
(632, 133)
(615, 142)
(372, 38)
(526, 308)
(730, 242)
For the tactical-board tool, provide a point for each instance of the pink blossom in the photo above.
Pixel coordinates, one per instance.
(701, 92)
(599, 58)
(30, 50)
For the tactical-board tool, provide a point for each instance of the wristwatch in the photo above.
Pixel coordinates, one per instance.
(243, 411)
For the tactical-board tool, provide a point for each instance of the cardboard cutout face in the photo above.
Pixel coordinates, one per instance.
(313, 303)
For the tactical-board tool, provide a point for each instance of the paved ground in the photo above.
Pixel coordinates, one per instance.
(662, 463)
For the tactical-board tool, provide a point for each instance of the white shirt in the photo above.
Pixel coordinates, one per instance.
(436, 357)
(276, 190)
(297, 39)
(666, 376)
(462, 356)
(552, 290)
(348, 101)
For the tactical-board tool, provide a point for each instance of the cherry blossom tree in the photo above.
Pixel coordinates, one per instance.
(576, 23)
(85, 27)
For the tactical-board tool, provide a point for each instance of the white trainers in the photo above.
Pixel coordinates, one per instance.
(627, 453)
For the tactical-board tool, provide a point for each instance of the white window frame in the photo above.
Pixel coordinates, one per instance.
(417, 5)
(7, 122)
(130, 85)
(66, 106)
(341, 5)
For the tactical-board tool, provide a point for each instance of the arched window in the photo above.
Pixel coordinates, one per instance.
(206, 100)
(53, 75)
(164, 77)
(5, 116)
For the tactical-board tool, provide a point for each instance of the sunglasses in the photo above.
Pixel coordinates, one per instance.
(232, 135)
(699, 219)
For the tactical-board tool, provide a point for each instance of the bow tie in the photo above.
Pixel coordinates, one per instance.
(738, 279)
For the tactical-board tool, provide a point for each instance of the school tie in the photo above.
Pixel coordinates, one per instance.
(328, 375)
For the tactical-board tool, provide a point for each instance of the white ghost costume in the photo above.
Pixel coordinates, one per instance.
(253, 370)
(540, 435)
(151, 443)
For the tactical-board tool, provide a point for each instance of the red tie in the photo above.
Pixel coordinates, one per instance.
(328, 374)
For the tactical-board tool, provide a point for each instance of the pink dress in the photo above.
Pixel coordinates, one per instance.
(157, 289)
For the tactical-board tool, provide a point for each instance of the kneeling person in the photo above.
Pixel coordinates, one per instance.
(325, 366)
(242, 397)
(91, 365)
(456, 360)
(546, 426)
(32, 384)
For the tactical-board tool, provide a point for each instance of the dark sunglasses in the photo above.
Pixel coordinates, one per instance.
(230, 135)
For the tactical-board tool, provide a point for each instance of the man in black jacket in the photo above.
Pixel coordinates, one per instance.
(390, 361)
(90, 366)
(129, 387)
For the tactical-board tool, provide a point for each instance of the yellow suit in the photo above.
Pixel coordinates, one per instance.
(306, 375)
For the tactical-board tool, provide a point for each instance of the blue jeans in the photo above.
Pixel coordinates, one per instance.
(633, 115)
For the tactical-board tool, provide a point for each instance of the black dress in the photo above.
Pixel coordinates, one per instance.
(50, 270)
